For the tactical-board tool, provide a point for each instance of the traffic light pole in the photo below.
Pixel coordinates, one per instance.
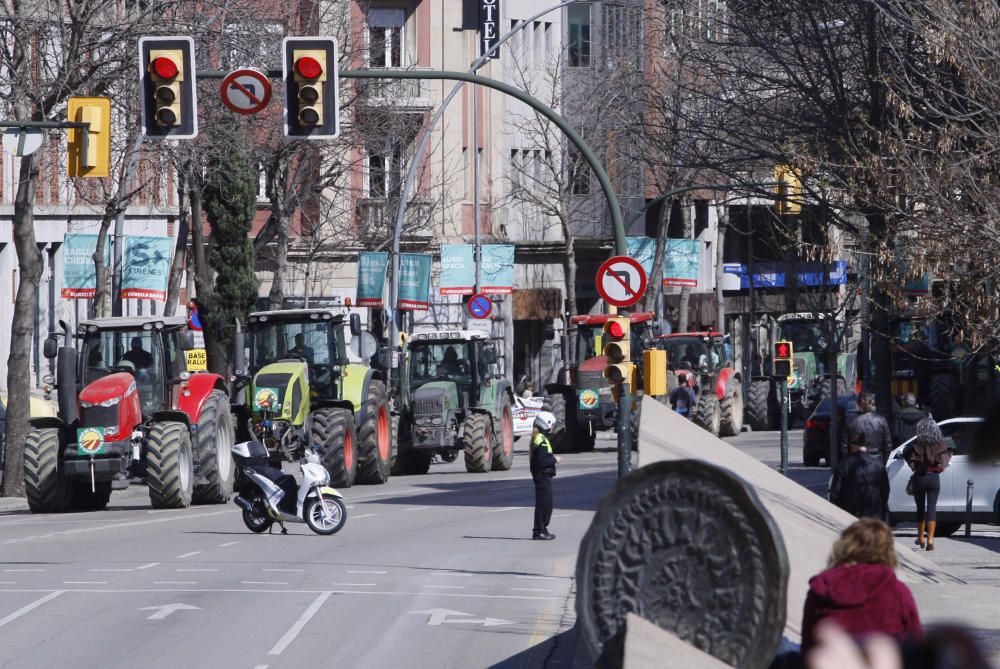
(624, 420)
(783, 399)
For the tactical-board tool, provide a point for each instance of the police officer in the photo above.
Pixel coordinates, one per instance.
(543, 468)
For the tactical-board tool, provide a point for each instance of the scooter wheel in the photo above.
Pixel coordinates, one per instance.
(257, 520)
(325, 515)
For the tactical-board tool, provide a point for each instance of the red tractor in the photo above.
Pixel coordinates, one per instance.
(587, 405)
(717, 385)
(129, 408)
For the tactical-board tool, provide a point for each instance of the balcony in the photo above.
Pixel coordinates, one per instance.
(376, 218)
(398, 93)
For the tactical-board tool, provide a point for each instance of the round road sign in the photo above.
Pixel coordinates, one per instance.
(22, 141)
(621, 281)
(479, 306)
(246, 91)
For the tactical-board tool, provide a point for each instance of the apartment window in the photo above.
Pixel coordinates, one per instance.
(579, 174)
(622, 28)
(385, 168)
(386, 37)
(689, 20)
(579, 19)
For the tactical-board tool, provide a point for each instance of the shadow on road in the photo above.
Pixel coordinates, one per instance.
(579, 493)
(558, 651)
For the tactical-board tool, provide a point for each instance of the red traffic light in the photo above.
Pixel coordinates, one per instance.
(308, 67)
(615, 329)
(782, 350)
(164, 68)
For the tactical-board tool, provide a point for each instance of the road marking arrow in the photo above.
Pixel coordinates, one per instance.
(441, 617)
(165, 610)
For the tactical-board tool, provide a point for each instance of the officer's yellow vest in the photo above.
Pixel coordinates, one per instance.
(540, 441)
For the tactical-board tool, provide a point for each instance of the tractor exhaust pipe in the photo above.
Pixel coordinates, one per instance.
(66, 377)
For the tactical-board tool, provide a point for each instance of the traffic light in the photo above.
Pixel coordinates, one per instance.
(169, 94)
(312, 87)
(89, 150)
(618, 349)
(788, 191)
(783, 354)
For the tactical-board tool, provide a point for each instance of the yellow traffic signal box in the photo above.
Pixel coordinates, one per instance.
(654, 372)
(89, 149)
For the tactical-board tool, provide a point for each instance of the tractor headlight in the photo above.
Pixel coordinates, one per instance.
(437, 420)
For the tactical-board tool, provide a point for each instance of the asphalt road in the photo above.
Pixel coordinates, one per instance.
(429, 571)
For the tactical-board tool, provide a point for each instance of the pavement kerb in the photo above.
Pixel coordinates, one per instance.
(13, 504)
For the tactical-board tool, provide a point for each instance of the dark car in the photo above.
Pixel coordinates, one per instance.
(816, 436)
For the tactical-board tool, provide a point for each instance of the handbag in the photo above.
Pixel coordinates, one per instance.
(909, 485)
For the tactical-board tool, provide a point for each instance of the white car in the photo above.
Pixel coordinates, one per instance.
(957, 434)
(524, 411)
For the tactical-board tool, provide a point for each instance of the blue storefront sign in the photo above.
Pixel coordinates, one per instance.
(772, 275)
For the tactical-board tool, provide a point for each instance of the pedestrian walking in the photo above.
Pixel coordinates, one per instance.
(682, 399)
(928, 455)
(859, 590)
(543, 469)
(860, 483)
(875, 428)
(907, 419)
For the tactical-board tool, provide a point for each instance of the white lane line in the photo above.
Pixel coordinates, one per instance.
(506, 508)
(194, 570)
(530, 589)
(563, 515)
(175, 582)
(17, 571)
(284, 570)
(364, 515)
(114, 526)
(85, 582)
(263, 582)
(294, 630)
(111, 571)
(417, 508)
(344, 585)
(360, 571)
(149, 565)
(229, 543)
(540, 578)
(30, 607)
(260, 666)
(450, 587)
(8, 582)
(187, 555)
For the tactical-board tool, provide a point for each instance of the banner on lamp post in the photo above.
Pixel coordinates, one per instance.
(680, 262)
(79, 273)
(498, 269)
(458, 270)
(414, 281)
(642, 249)
(372, 270)
(146, 268)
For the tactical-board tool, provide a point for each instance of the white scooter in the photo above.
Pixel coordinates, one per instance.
(262, 488)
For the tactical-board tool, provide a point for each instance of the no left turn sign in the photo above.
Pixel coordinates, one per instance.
(621, 281)
(246, 91)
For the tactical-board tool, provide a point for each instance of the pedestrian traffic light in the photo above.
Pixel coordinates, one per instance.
(618, 349)
(312, 87)
(89, 149)
(783, 354)
(169, 95)
(787, 190)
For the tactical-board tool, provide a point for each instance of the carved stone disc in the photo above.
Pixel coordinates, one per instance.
(689, 547)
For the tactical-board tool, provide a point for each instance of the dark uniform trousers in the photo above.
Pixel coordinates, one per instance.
(543, 502)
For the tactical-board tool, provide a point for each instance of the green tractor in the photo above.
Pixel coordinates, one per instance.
(452, 400)
(301, 386)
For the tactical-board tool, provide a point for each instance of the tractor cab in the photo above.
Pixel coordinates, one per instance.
(702, 352)
(464, 360)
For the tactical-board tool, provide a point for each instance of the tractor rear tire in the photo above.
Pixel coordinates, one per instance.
(731, 409)
(503, 451)
(760, 409)
(45, 490)
(477, 443)
(944, 391)
(169, 465)
(561, 435)
(83, 499)
(333, 428)
(214, 443)
(375, 437)
(708, 415)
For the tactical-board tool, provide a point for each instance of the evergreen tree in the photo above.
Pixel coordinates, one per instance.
(230, 200)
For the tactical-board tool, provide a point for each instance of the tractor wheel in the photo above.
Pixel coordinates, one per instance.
(169, 465)
(375, 437)
(477, 442)
(561, 434)
(45, 491)
(82, 498)
(414, 463)
(708, 415)
(944, 392)
(334, 429)
(760, 409)
(214, 443)
(503, 451)
(731, 409)
(394, 452)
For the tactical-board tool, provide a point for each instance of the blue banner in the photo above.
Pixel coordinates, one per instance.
(79, 273)
(458, 270)
(373, 266)
(498, 269)
(642, 249)
(415, 281)
(680, 262)
(772, 275)
(146, 268)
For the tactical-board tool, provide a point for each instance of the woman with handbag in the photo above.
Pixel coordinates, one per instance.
(928, 456)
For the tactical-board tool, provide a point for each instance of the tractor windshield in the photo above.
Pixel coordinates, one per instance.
(806, 336)
(139, 352)
(440, 361)
(311, 341)
(588, 342)
(689, 353)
